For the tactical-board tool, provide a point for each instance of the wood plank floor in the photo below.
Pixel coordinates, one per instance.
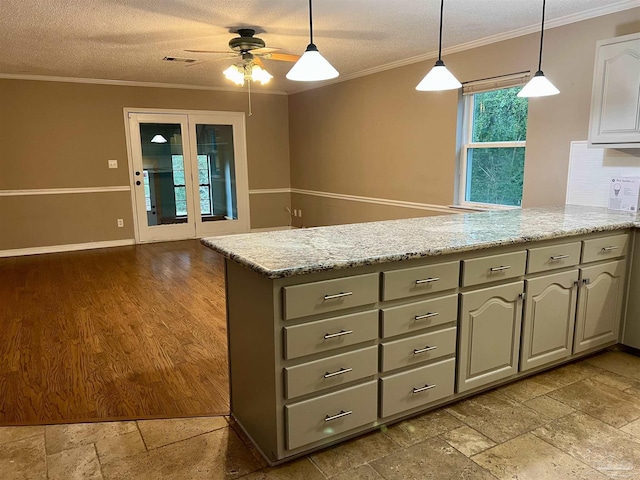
(120, 333)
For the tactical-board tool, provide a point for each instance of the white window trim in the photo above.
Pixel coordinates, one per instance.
(462, 161)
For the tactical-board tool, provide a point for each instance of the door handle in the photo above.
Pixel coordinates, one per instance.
(137, 174)
(138, 182)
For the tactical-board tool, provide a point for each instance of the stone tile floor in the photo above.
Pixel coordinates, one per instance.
(579, 421)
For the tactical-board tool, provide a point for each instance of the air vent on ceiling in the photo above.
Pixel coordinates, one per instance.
(178, 59)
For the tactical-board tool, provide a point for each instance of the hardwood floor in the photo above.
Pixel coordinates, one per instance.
(121, 333)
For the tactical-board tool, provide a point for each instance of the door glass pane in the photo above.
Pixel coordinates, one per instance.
(216, 172)
(495, 175)
(163, 165)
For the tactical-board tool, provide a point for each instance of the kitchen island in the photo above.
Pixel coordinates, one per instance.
(335, 331)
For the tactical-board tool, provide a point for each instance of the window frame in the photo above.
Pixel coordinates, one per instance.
(467, 143)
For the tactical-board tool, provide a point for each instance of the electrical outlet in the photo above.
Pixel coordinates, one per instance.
(113, 163)
(120, 223)
(295, 212)
(300, 213)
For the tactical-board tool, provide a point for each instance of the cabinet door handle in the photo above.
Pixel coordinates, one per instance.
(425, 349)
(609, 249)
(338, 295)
(339, 372)
(423, 389)
(426, 315)
(500, 268)
(341, 333)
(427, 280)
(558, 257)
(586, 281)
(342, 413)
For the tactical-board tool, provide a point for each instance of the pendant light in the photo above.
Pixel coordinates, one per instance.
(311, 66)
(439, 78)
(539, 85)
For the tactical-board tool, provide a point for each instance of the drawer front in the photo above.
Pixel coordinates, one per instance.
(605, 248)
(418, 387)
(557, 256)
(323, 335)
(330, 295)
(490, 269)
(330, 372)
(419, 315)
(324, 417)
(409, 282)
(419, 348)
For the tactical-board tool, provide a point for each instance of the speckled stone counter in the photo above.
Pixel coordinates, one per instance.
(286, 253)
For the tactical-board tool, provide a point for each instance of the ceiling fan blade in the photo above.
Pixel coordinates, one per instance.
(284, 57)
(264, 50)
(207, 61)
(209, 51)
(258, 62)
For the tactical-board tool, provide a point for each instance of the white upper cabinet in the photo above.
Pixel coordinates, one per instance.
(615, 100)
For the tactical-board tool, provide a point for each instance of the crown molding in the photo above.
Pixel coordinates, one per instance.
(557, 22)
(131, 83)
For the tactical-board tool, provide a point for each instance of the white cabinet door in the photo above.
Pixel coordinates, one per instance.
(549, 318)
(599, 305)
(490, 322)
(615, 102)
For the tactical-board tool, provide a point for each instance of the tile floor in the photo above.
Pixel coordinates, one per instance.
(580, 421)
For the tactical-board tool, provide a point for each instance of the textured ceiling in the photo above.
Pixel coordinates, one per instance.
(127, 39)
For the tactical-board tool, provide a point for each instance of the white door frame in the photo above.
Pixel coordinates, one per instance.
(237, 119)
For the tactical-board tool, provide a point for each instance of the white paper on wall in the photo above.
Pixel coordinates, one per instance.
(591, 171)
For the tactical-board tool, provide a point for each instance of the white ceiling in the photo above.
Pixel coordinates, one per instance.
(127, 39)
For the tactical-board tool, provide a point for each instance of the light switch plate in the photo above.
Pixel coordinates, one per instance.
(113, 163)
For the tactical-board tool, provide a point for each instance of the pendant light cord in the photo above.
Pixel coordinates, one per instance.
(310, 23)
(440, 37)
(541, 36)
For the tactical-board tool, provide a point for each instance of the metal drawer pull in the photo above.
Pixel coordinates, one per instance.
(425, 349)
(426, 315)
(610, 249)
(427, 280)
(342, 413)
(339, 372)
(423, 389)
(559, 257)
(500, 269)
(338, 295)
(327, 336)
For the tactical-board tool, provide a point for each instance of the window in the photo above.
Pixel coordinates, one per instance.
(204, 181)
(494, 140)
(179, 185)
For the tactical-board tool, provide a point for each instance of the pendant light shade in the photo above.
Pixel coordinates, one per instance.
(439, 78)
(311, 66)
(539, 85)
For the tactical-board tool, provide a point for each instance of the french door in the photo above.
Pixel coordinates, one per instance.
(189, 174)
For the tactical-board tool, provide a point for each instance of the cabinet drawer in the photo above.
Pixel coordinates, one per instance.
(408, 282)
(557, 256)
(605, 248)
(323, 335)
(324, 417)
(419, 348)
(418, 387)
(490, 269)
(329, 372)
(419, 315)
(330, 295)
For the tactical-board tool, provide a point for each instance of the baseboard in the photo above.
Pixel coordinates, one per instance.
(18, 252)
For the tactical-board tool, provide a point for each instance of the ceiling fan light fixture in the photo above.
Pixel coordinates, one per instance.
(312, 66)
(235, 74)
(439, 78)
(259, 74)
(539, 85)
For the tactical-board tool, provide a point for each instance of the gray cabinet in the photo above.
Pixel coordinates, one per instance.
(615, 101)
(549, 317)
(490, 321)
(600, 302)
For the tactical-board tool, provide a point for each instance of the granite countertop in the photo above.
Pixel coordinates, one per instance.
(286, 253)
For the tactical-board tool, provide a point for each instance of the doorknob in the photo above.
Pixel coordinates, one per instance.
(138, 174)
(137, 182)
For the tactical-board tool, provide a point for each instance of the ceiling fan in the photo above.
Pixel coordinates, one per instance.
(251, 49)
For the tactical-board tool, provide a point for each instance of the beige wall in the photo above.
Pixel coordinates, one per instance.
(60, 135)
(377, 136)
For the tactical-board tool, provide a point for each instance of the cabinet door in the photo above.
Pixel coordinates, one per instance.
(489, 335)
(615, 103)
(599, 305)
(549, 318)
